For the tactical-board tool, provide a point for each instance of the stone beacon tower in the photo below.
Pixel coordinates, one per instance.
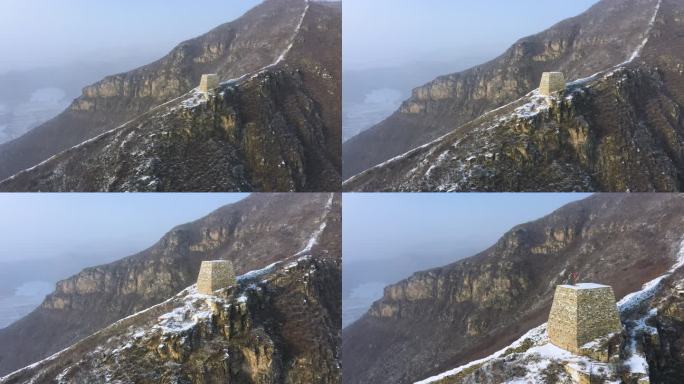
(551, 83)
(215, 275)
(582, 313)
(208, 83)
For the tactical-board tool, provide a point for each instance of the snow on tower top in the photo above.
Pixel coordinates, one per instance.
(552, 82)
(585, 286)
(208, 83)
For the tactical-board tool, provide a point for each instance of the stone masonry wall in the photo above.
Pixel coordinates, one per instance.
(215, 275)
(597, 314)
(551, 83)
(562, 325)
(581, 314)
(208, 83)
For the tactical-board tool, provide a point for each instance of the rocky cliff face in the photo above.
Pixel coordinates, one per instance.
(278, 325)
(664, 348)
(274, 127)
(621, 131)
(579, 47)
(255, 232)
(442, 318)
(647, 349)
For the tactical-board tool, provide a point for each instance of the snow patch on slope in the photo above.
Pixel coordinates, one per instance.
(281, 57)
(636, 54)
(313, 240)
(637, 51)
(185, 317)
(537, 335)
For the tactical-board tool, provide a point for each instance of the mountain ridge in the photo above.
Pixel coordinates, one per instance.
(229, 146)
(111, 85)
(644, 343)
(447, 316)
(257, 231)
(225, 329)
(438, 102)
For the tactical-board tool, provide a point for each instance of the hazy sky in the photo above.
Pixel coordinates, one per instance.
(45, 32)
(380, 33)
(50, 225)
(383, 226)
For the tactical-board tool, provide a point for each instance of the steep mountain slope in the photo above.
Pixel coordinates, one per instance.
(254, 232)
(640, 35)
(664, 348)
(274, 127)
(648, 349)
(448, 316)
(279, 325)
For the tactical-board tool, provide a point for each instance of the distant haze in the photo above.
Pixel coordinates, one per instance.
(393, 46)
(387, 237)
(386, 33)
(40, 33)
(45, 238)
(391, 225)
(43, 226)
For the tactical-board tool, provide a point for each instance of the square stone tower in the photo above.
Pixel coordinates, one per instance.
(215, 275)
(582, 313)
(551, 83)
(208, 83)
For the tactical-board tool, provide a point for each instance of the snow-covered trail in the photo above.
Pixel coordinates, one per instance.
(637, 362)
(94, 139)
(283, 55)
(534, 334)
(98, 137)
(313, 240)
(635, 54)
